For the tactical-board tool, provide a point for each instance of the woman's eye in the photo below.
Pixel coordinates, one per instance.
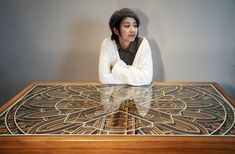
(126, 26)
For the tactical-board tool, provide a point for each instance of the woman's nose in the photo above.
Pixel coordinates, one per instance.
(133, 29)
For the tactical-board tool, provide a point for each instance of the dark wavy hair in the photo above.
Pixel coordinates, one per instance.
(117, 18)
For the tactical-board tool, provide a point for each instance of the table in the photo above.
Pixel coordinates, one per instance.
(164, 117)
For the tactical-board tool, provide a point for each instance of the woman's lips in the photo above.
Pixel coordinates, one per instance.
(132, 35)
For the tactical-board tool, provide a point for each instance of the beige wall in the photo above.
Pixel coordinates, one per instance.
(59, 40)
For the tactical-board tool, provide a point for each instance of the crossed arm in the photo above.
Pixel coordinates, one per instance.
(112, 70)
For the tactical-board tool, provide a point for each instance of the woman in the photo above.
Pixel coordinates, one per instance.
(125, 58)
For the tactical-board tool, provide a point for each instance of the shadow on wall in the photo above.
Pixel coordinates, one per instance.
(158, 69)
(229, 89)
(81, 60)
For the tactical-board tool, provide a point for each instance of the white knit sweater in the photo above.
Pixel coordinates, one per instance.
(139, 73)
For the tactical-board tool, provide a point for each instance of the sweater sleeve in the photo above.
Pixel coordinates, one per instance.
(107, 58)
(141, 71)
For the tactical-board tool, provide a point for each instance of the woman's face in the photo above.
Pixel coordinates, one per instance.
(128, 30)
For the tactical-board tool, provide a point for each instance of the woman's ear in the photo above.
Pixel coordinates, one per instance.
(115, 31)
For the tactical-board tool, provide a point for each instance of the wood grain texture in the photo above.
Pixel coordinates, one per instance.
(117, 144)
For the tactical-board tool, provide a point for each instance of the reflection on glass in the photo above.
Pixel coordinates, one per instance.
(120, 110)
(130, 99)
